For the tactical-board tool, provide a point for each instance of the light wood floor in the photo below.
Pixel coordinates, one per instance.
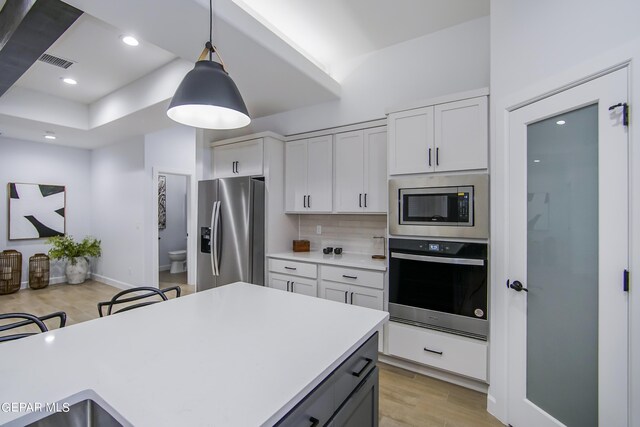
(406, 398)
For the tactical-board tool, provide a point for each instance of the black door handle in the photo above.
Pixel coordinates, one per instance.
(292, 283)
(349, 277)
(314, 421)
(351, 298)
(237, 167)
(364, 368)
(437, 156)
(290, 268)
(433, 351)
(345, 296)
(288, 285)
(360, 200)
(309, 200)
(517, 286)
(429, 156)
(365, 200)
(304, 201)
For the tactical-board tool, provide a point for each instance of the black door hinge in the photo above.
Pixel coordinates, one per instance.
(625, 112)
(625, 281)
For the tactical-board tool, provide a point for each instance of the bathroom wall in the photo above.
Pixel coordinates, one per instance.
(174, 237)
(353, 233)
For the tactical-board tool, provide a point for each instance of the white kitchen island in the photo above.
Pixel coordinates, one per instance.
(237, 355)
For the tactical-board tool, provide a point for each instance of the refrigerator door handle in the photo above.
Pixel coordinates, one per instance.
(215, 222)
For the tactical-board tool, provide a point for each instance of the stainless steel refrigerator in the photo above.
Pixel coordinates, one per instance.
(231, 223)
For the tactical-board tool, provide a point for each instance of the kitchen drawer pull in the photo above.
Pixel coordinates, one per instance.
(349, 277)
(433, 351)
(288, 282)
(364, 368)
(290, 268)
(314, 421)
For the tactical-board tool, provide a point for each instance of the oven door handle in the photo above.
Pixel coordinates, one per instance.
(440, 260)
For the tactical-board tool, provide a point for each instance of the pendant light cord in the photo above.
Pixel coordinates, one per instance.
(210, 28)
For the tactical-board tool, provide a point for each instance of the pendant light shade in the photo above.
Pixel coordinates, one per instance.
(208, 98)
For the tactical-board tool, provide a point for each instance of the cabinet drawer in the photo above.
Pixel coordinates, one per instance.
(293, 268)
(371, 279)
(355, 369)
(464, 356)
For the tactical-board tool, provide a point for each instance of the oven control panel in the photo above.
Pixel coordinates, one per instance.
(444, 248)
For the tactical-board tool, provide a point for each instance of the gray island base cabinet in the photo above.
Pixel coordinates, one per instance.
(347, 397)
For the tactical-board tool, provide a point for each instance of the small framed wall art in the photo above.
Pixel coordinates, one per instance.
(162, 202)
(36, 211)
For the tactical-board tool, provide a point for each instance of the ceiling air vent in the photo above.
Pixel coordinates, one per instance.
(54, 60)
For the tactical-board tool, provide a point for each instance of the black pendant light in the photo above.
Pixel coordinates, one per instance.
(207, 97)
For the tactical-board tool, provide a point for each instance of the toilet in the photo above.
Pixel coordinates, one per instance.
(178, 261)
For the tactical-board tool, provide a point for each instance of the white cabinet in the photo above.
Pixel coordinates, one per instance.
(294, 284)
(352, 294)
(309, 175)
(361, 171)
(446, 137)
(292, 276)
(238, 159)
(461, 355)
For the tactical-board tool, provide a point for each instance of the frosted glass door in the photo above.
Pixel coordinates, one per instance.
(568, 250)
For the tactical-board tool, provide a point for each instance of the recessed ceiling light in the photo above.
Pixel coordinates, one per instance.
(560, 122)
(130, 40)
(49, 135)
(536, 161)
(69, 81)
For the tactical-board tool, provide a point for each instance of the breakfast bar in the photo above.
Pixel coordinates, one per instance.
(236, 355)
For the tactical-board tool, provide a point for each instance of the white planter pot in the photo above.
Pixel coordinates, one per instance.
(76, 270)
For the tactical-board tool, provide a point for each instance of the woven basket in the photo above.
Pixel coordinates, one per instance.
(10, 271)
(38, 271)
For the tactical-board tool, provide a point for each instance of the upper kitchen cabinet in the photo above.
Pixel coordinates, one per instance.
(361, 171)
(238, 159)
(447, 136)
(309, 175)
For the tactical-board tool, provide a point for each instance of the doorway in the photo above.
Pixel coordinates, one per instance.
(569, 251)
(173, 245)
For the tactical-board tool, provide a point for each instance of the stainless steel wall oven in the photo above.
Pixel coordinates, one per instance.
(439, 285)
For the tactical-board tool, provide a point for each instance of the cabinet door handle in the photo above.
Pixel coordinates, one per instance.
(290, 268)
(429, 156)
(364, 368)
(351, 298)
(309, 200)
(345, 296)
(349, 277)
(288, 285)
(437, 156)
(360, 200)
(304, 201)
(237, 167)
(292, 283)
(365, 200)
(433, 351)
(314, 422)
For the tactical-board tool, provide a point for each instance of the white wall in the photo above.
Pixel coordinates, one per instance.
(117, 212)
(31, 162)
(171, 150)
(452, 60)
(537, 47)
(174, 236)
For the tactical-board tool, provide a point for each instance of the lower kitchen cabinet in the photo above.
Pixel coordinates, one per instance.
(453, 353)
(347, 397)
(294, 284)
(351, 294)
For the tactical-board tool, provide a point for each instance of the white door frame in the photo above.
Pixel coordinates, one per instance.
(191, 225)
(501, 106)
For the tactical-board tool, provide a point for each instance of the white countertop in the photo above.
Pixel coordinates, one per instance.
(345, 260)
(237, 355)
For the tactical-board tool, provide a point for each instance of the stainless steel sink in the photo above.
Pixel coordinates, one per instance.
(86, 413)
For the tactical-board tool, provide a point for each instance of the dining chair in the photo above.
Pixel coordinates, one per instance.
(25, 320)
(145, 294)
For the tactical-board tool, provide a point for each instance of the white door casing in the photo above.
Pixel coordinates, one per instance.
(613, 209)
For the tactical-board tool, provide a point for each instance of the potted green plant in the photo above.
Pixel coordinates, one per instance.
(76, 254)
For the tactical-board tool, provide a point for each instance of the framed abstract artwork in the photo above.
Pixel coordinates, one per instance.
(36, 211)
(162, 202)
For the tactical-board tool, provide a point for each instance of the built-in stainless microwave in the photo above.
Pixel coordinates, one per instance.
(439, 206)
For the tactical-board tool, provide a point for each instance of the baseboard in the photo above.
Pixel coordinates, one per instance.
(434, 373)
(165, 267)
(112, 282)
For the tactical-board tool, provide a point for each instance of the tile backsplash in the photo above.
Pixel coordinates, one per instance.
(353, 233)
